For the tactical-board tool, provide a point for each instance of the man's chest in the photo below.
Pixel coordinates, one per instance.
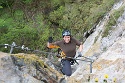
(68, 47)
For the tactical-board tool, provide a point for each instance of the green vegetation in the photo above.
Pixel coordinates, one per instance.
(31, 22)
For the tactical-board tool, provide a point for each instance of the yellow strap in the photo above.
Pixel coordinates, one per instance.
(63, 55)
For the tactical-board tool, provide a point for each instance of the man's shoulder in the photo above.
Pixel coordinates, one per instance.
(59, 42)
(76, 41)
(73, 39)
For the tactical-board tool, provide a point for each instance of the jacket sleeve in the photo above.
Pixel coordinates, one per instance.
(53, 45)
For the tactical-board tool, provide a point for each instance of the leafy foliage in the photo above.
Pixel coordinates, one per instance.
(27, 1)
(6, 3)
(31, 22)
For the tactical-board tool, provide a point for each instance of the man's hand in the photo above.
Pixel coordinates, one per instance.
(79, 54)
(50, 39)
(58, 55)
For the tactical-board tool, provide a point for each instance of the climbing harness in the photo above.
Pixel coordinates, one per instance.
(73, 60)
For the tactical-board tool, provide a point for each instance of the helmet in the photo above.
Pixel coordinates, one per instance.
(66, 33)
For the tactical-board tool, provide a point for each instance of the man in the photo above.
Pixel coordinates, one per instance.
(68, 46)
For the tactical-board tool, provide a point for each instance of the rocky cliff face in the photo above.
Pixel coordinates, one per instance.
(11, 74)
(24, 68)
(107, 52)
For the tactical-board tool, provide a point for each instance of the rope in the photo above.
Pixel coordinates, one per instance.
(13, 45)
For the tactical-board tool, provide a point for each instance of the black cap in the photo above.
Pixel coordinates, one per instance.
(66, 33)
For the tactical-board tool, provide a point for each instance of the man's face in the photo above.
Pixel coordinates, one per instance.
(66, 39)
